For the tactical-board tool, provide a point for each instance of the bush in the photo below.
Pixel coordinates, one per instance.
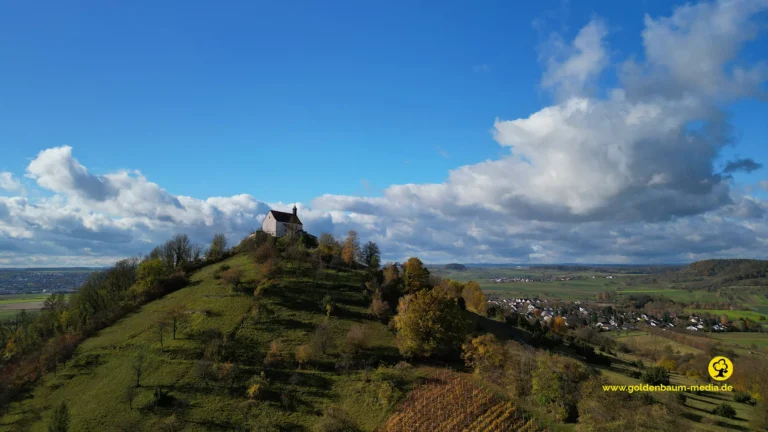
(724, 410)
(335, 420)
(681, 398)
(743, 397)
(655, 375)
(267, 251)
(304, 355)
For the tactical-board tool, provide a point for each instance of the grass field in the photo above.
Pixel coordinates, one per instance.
(744, 340)
(641, 338)
(22, 298)
(93, 382)
(696, 406)
(11, 304)
(731, 314)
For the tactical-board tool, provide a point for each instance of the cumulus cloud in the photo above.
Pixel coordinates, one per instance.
(571, 67)
(624, 174)
(8, 182)
(634, 162)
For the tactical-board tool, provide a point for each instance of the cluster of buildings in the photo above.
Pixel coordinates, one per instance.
(504, 279)
(600, 317)
(31, 281)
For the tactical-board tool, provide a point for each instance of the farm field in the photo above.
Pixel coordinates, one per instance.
(10, 305)
(451, 402)
(640, 338)
(731, 314)
(744, 340)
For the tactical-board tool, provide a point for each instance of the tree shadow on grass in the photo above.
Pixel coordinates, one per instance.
(698, 418)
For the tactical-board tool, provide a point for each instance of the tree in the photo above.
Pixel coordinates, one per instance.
(356, 340)
(180, 249)
(275, 354)
(379, 308)
(227, 373)
(429, 323)
(321, 338)
(176, 315)
(559, 326)
(485, 355)
(328, 305)
(655, 375)
(129, 395)
(246, 408)
(160, 325)
(555, 385)
(204, 370)
(416, 276)
(234, 277)
(371, 255)
(351, 250)
(328, 247)
(150, 273)
(474, 298)
(60, 419)
(304, 355)
(218, 247)
(139, 366)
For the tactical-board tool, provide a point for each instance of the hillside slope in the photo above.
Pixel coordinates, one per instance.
(204, 393)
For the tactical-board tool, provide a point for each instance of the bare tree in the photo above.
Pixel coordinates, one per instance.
(139, 366)
(129, 395)
(160, 325)
(175, 316)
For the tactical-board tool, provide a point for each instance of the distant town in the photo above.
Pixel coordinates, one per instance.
(33, 281)
(604, 319)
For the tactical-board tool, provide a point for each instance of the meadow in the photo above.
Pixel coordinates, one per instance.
(94, 382)
(731, 314)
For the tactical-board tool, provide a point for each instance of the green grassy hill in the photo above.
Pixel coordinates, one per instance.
(94, 382)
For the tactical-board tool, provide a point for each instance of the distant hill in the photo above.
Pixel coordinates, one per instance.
(720, 272)
(53, 269)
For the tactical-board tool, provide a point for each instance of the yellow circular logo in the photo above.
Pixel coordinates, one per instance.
(720, 368)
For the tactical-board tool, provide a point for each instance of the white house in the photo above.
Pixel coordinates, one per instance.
(279, 223)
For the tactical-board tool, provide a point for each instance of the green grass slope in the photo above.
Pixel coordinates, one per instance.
(93, 383)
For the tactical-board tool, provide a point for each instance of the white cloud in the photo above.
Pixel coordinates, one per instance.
(572, 67)
(8, 182)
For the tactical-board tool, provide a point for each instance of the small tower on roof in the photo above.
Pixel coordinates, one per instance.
(294, 209)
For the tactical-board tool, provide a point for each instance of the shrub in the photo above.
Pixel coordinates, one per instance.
(275, 354)
(257, 386)
(321, 338)
(655, 375)
(724, 410)
(743, 397)
(269, 268)
(681, 398)
(304, 354)
(267, 251)
(357, 339)
(335, 420)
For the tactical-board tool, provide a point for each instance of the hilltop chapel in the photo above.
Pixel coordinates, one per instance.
(279, 223)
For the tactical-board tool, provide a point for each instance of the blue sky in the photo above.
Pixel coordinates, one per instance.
(289, 101)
